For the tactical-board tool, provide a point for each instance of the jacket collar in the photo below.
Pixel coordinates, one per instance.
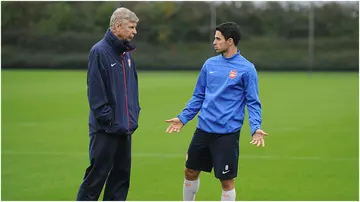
(232, 57)
(120, 46)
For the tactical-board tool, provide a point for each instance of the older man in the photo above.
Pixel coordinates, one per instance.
(114, 110)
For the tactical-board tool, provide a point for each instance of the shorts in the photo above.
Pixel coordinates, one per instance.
(218, 151)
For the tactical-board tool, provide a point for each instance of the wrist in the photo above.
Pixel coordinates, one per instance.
(182, 119)
(254, 131)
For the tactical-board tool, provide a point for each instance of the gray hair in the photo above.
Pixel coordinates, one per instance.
(122, 15)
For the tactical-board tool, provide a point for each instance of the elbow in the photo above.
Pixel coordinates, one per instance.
(255, 103)
(199, 96)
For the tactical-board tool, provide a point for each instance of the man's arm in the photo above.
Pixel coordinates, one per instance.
(96, 90)
(252, 100)
(195, 103)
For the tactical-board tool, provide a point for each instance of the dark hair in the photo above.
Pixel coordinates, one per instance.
(230, 30)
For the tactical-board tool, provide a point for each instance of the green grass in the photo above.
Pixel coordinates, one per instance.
(312, 152)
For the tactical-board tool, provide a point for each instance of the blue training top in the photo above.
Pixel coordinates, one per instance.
(224, 87)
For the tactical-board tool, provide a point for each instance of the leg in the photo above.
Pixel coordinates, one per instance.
(227, 185)
(118, 182)
(191, 184)
(228, 190)
(225, 153)
(191, 174)
(198, 160)
(102, 149)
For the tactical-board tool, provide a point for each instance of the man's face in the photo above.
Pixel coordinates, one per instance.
(126, 31)
(220, 44)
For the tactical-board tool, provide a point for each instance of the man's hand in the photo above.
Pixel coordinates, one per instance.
(258, 138)
(175, 125)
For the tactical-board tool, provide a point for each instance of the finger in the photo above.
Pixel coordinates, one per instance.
(263, 143)
(263, 133)
(176, 130)
(258, 143)
(168, 129)
(169, 121)
(254, 142)
(171, 130)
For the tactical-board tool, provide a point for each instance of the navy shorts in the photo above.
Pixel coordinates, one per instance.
(218, 151)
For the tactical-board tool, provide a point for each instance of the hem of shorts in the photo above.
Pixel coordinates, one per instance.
(226, 178)
(199, 169)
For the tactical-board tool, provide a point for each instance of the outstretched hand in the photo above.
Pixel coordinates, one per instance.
(258, 138)
(175, 125)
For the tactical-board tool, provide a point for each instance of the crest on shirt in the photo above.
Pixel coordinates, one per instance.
(129, 62)
(233, 74)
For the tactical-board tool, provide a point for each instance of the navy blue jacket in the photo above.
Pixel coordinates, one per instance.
(112, 83)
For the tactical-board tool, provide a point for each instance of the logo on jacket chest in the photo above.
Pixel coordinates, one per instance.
(233, 74)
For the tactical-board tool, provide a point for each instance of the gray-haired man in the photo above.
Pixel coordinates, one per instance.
(114, 110)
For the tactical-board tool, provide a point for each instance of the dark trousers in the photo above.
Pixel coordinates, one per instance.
(110, 161)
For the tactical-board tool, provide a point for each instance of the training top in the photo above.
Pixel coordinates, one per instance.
(223, 88)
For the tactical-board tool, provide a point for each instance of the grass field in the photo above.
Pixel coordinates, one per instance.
(312, 151)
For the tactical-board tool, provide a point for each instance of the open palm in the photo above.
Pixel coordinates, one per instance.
(258, 138)
(175, 125)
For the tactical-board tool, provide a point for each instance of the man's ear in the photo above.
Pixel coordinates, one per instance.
(118, 26)
(230, 40)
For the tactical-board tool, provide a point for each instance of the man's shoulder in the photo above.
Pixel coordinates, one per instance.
(246, 62)
(99, 47)
(213, 59)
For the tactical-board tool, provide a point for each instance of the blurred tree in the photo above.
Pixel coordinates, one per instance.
(102, 16)
(21, 15)
(174, 29)
(58, 17)
(165, 22)
(334, 19)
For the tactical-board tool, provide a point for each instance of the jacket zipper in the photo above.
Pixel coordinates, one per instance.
(126, 94)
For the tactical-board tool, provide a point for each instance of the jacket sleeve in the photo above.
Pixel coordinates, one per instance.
(196, 101)
(252, 99)
(97, 95)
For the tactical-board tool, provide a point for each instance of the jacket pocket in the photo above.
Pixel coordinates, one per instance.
(134, 117)
(117, 126)
(117, 129)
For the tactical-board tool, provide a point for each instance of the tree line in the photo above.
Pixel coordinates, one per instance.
(72, 27)
(166, 21)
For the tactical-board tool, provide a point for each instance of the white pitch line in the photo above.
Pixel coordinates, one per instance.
(174, 155)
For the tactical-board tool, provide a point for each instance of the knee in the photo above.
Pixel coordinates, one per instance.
(191, 174)
(99, 168)
(227, 185)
